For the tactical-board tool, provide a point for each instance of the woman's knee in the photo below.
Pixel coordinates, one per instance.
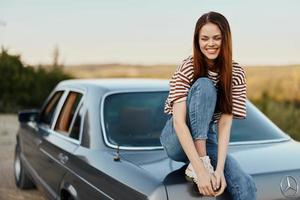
(204, 83)
(202, 88)
(201, 104)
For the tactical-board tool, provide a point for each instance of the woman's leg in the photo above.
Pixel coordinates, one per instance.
(201, 103)
(240, 185)
(170, 142)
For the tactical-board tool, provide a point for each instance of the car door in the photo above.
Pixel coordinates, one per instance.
(58, 143)
(31, 139)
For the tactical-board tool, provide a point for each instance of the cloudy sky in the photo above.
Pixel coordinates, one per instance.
(145, 32)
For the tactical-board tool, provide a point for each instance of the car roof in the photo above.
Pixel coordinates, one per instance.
(119, 83)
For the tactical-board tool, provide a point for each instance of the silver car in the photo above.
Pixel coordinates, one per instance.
(99, 139)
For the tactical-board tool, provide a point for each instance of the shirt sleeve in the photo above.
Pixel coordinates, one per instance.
(239, 90)
(179, 85)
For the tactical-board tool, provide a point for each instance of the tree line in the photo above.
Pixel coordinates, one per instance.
(24, 86)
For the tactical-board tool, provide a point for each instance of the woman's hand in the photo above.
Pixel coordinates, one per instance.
(205, 183)
(220, 182)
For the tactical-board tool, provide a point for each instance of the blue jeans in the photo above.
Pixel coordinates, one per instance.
(201, 102)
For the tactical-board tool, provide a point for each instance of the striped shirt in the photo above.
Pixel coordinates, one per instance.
(182, 79)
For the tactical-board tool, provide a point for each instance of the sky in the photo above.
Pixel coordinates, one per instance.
(145, 32)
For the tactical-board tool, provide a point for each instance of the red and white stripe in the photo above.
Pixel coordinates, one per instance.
(181, 80)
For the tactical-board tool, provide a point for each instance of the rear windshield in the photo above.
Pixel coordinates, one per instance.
(136, 119)
(256, 127)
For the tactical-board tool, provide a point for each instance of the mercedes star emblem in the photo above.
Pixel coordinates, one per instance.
(289, 186)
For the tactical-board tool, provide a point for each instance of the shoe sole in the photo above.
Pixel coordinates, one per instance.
(190, 179)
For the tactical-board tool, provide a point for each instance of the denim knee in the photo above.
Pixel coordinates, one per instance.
(201, 103)
(203, 82)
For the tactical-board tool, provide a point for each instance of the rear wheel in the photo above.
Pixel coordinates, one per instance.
(22, 180)
(64, 195)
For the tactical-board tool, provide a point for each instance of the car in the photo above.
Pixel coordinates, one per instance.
(99, 139)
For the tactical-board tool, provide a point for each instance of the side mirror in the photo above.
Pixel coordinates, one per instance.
(28, 115)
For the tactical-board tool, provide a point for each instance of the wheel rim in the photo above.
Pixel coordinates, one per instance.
(17, 167)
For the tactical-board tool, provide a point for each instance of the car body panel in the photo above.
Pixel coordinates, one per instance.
(52, 167)
(92, 171)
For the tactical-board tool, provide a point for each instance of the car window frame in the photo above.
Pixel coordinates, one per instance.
(80, 104)
(107, 143)
(79, 107)
(59, 104)
(106, 140)
(75, 112)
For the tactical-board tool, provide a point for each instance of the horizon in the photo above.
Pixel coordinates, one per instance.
(164, 65)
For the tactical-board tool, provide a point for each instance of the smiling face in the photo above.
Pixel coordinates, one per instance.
(210, 40)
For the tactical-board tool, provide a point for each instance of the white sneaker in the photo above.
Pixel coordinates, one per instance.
(190, 173)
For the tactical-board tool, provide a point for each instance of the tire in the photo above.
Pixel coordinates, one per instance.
(22, 180)
(64, 195)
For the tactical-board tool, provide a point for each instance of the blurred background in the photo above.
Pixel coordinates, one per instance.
(44, 42)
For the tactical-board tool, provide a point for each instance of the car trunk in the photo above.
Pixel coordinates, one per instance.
(268, 164)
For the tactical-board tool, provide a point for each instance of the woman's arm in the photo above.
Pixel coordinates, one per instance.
(224, 127)
(187, 143)
(184, 135)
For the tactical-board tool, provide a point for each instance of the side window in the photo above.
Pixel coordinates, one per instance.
(49, 111)
(67, 113)
(75, 128)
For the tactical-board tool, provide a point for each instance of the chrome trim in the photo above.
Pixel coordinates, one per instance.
(102, 119)
(81, 122)
(75, 115)
(259, 142)
(58, 107)
(72, 190)
(291, 185)
(82, 106)
(64, 137)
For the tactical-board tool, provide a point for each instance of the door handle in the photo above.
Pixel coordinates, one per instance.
(63, 158)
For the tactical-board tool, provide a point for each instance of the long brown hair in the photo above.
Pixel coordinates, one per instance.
(223, 62)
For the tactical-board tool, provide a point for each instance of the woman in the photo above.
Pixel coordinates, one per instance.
(207, 91)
